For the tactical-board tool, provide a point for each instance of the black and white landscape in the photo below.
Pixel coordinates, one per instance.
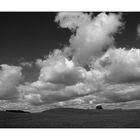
(70, 70)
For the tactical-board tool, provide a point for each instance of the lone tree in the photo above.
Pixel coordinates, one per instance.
(99, 106)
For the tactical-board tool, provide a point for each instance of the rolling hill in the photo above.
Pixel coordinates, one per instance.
(71, 118)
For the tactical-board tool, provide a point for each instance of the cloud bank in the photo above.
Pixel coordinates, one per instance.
(120, 65)
(112, 77)
(60, 80)
(10, 77)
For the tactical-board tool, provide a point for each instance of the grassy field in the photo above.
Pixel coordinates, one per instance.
(71, 118)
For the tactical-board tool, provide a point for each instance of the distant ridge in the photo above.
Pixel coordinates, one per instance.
(17, 111)
(71, 118)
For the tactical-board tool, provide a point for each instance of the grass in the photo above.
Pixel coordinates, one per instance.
(71, 118)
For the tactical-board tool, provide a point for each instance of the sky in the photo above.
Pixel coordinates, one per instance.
(69, 59)
(35, 34)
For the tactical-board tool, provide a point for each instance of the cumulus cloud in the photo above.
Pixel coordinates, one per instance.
(112, 77)
(122, 92)
(113, 74)
(39, 96)
(58, 69)
(60, 80)
(120, 65)
(91, 36)
(120, 70)
(10, 77)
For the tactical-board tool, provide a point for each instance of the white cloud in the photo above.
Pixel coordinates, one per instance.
(60, 80)
(91, 35)
(72, 20)
(120, 65)
(38, 93)
(38, 96)
(10, 77)
(113, 75)
(122, 92)
(34, 99)
(57, 69)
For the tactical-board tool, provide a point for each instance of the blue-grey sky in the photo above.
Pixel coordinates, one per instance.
(33, 35)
